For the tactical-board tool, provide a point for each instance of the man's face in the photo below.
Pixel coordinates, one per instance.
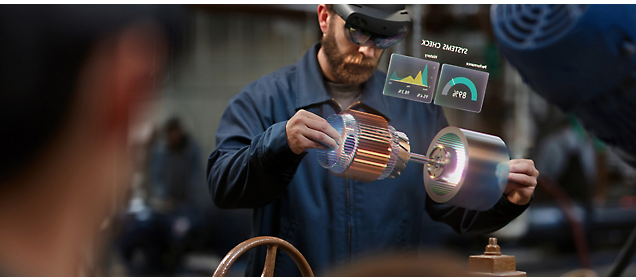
(350, 63)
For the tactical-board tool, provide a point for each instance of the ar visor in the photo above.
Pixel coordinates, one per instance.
(364, 38)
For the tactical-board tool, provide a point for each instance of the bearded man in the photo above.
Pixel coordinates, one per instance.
(266, 156)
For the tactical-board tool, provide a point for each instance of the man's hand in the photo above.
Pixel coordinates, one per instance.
(521, 181)
(307, 130)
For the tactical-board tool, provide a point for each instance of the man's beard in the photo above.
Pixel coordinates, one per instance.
(349, 69)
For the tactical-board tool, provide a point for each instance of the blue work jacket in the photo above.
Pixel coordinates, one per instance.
(330, 220)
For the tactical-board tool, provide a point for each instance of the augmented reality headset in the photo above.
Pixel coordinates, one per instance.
(380, 25)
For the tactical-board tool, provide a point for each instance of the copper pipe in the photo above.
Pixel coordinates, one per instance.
(270, 260)
(273, 243)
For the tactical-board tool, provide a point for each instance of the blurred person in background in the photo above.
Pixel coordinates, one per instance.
(153, 243)
(266, 159)
(72, 78)
(175, 169)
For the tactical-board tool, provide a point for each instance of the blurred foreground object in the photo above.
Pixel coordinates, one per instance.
(273, 243)
(582, 58)
(582, 272)
(493, 263)
(72, 80)
(438, 264)
(372, 150)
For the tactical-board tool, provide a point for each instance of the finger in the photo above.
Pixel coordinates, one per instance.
(311, 144)
(522, 179)
(513, 186)
(308, 115)
(302, 143)
(323, 126)
(299, 141)
(320, 137)
(524, 166)
(318, 123)
(519, 197)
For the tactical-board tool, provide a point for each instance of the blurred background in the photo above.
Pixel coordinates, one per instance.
(584, 206)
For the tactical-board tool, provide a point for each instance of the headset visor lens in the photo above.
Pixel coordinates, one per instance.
(384, 42)
(357, 35)
(364, 38)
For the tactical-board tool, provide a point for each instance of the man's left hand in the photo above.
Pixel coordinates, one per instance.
(521, 181)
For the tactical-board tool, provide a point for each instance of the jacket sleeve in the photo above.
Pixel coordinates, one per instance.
(478, 222)
(252, 163)
(463, 220)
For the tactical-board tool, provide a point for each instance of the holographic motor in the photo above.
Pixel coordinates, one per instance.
(461, 167)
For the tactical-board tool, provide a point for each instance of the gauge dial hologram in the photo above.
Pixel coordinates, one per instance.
(462, 88)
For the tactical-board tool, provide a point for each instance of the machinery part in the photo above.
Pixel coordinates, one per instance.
(493, 264)
(440, 154)
(371, 149)
(273, 243)
(469, 169)
(387, 20)
(581, 58)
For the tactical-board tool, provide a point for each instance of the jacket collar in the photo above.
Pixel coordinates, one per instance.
(311, 89)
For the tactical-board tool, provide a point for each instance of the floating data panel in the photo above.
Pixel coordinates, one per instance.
(411, 78)
(461, 88)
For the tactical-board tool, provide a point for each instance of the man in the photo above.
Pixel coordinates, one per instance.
(71, 80)
(174, 168)
(266, 158)
(176, 220)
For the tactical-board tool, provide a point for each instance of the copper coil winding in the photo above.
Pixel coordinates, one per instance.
(373, 156)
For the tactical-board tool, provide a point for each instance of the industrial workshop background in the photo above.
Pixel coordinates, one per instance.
(581, 215)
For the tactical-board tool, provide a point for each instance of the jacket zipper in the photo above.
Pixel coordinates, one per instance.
(348, 190)
(348, 196)
(349, 215)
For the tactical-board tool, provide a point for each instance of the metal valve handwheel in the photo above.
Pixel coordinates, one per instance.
(273, 243)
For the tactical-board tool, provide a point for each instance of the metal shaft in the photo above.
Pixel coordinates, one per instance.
(424, 159)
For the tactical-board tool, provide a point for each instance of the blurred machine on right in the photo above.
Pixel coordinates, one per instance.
(582, 58)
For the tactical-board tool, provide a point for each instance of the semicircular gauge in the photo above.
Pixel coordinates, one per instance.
(461, 88)
(461, 81)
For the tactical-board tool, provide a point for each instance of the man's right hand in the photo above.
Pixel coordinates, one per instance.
(307, 130)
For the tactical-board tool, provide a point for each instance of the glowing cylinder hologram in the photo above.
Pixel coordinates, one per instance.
(476, 170)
